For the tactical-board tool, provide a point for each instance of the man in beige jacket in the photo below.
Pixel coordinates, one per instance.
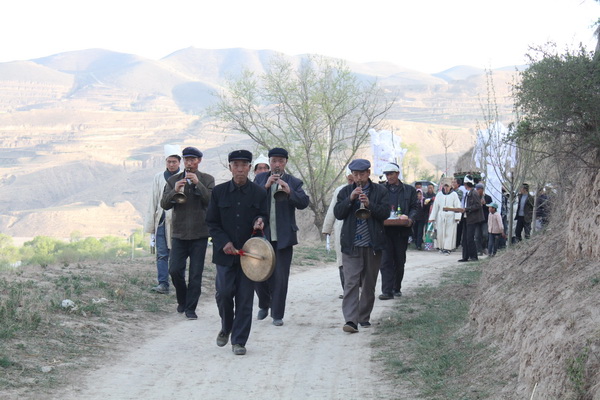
(157, 221)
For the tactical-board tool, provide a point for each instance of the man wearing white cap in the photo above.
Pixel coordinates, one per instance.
(261, 164)
(402, 200)
(157, 221)
(472, 215)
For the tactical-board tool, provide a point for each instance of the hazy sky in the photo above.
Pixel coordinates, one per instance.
(429, 36)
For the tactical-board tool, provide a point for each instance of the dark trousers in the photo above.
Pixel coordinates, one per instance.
(459, 231)
(418, 228)
(187, 294)
(393, 259)
(469, 249)
(522, 226)
(272, 293)
(234, 296)
(493, 243)
(481, 236)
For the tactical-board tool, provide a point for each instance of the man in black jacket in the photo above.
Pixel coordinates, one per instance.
(401, 197)
(285, 195)
(472, 215)
(189, 236)
(362, 241)
(237, 208)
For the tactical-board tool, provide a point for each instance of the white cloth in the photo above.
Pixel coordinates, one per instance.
(333, 226)
(445, 221)
(154, 211)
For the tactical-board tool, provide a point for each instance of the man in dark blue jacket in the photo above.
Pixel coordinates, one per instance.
(285, 196)
(362, 240)
(402, 198)
(236, 209)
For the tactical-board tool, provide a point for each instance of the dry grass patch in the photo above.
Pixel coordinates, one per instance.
(426, 342)
(44, 344)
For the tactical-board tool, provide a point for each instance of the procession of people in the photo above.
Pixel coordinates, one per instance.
(370, 222)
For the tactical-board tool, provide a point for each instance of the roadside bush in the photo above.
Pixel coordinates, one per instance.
(43, 250)
(9, 254)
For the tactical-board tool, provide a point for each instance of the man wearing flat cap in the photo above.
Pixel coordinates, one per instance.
(362, 240)
(402, 200)
(237, 208)
(285, 195)
(188, 194)
(157, 221)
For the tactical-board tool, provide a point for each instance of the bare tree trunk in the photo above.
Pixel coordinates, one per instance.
(511, 217)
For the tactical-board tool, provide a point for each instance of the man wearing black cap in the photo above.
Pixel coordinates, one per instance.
(403, 201)
(236, 209)
(362, 242)
(285, 196)
(188, 194)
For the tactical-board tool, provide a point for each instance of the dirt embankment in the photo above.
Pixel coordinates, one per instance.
(540, 302)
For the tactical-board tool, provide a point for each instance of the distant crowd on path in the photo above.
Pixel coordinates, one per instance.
(372, 225)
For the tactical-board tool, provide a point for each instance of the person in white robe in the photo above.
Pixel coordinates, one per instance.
(445, 221)
(333, 227)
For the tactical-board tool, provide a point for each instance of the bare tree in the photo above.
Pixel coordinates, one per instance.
(319, 111)
(504, 162)
(447, 142)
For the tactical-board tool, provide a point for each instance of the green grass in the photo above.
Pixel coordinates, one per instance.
(424, 341)
(312, 254)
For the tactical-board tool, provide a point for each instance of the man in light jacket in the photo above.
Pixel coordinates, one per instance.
(157, 221)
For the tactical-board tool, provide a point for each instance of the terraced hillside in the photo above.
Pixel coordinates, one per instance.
(81, 133)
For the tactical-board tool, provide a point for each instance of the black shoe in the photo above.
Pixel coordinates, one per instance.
(365, 324)
(191, 315)
(238, 349)
(262, 313)
(473, 259)
(350, 327)
(386, 296)
(222, 339)
(180, 308)
(161, 288)
(463, 260)
(398, 293)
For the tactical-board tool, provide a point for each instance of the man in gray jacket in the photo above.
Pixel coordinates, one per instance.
(362, 241)
(188, 194)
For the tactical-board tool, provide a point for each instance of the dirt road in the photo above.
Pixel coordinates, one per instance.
(309, 357)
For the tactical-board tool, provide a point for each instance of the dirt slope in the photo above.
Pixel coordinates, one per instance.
(540, 303)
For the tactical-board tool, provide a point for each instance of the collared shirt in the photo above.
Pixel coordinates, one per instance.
(363, 236)
(521, 212)
(394, 193)
(464, 199)
(273, 212)
(238, 196)
(231, 215)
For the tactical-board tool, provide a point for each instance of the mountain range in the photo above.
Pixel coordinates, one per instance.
(82, 132)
